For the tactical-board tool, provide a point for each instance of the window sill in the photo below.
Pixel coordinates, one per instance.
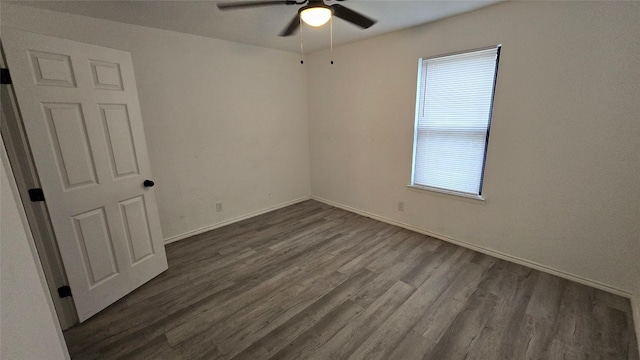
(449, 194)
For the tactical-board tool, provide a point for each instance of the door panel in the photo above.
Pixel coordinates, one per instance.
(117, 129)
(96, 245)
(52, 69)
(82, 117)
(136, 223)
(70, 142)
(106, 75)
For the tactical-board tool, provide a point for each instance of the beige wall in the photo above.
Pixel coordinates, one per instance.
(29, 328)
(563, 169)
(224, 122)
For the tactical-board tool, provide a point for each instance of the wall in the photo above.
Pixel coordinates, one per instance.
(224, 122)
(563, 161)
(26, 310)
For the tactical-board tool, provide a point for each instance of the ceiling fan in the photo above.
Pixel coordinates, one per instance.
(315, 13)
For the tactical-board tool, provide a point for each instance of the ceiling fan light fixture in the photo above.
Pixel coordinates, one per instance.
(316, 16)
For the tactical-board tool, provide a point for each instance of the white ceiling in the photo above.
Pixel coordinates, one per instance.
(261, 26)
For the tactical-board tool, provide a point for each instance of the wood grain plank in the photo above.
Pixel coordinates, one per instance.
(319, 334)
(287, 332)
(383, 341)
(345, 341)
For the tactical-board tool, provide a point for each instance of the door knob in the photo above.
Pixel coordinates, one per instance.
(148, 183)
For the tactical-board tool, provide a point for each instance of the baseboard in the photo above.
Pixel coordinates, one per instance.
(234, 220)
(490, 252)
(635, 309)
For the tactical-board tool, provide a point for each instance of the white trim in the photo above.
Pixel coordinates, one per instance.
(32, 246)
(461, 52)
(415, 120)
(234, 220)
(494, 253)
(635, 309)
(449, 193)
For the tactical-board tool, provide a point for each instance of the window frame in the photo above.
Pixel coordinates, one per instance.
(443, 191)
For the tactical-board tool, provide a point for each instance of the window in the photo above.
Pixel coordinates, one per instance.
(453, 116)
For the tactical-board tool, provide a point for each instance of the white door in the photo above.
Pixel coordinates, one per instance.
(80, 107)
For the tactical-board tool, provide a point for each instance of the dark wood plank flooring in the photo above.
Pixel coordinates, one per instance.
(311, 281)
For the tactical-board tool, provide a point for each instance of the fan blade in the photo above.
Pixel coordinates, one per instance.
(249, 4)
(292, 27)
(352, 16)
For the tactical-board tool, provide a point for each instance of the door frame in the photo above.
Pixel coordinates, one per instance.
(26, 177)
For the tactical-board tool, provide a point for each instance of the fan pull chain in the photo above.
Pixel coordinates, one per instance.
(301, 48)
(331, 30)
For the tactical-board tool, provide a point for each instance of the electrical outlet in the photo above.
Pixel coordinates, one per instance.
(219, 207)
(400, 206)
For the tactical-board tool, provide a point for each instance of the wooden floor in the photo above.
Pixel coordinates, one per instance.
(314, 282)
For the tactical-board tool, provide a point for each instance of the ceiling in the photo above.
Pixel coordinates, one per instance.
(261, 26)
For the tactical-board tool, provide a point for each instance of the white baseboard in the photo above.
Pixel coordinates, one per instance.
(231, 221)
(494, 253)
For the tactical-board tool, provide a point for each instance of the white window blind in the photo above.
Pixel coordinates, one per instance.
(455, 95)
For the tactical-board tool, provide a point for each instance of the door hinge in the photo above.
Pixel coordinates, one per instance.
(5, 77)
(64, 291)
(36, 195)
